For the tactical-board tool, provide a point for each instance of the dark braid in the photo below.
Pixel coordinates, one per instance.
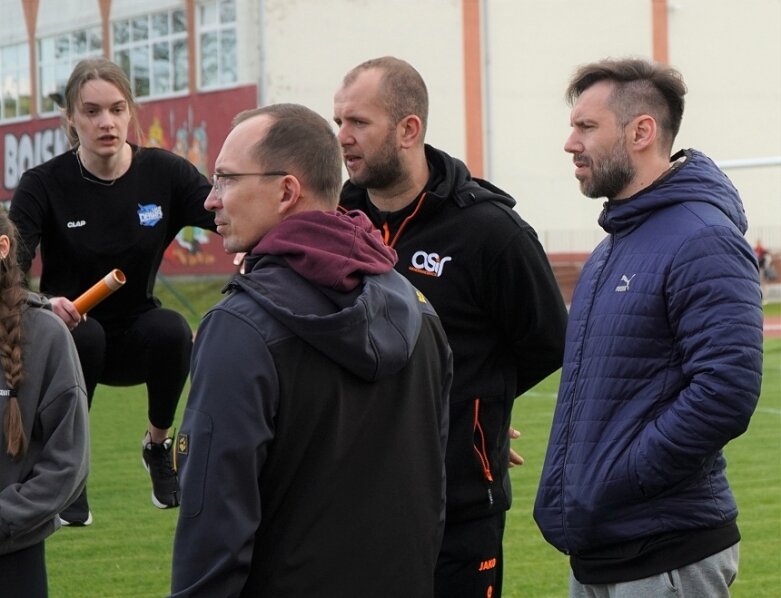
(12, 298)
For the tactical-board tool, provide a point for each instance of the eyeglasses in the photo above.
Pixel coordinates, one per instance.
(218, 178)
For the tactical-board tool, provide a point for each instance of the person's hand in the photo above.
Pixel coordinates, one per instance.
(66, 311)
(238, 260)
(515, 458)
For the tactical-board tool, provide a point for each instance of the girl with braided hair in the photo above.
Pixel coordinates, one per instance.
(43, 432)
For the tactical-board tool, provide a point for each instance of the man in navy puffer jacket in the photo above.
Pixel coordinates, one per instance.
(663, 360)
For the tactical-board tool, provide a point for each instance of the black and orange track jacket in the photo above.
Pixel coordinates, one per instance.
(482, 267)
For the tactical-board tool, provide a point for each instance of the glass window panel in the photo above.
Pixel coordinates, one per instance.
(209, 65)
(46, 49)
(218, 48)
(209, 47)
(61, 47)
(227, 11)
(9, 106)
(62, 72)
(23, 60)
(24, 104)
(161, 68)
(160, 25)
(180, 21)
(58, 54)
(180, 65)
(140, 28)
(23, 82)
(161, 52)
(141, 87)
(121, 32)
(228, 60)
(47, 104)
(122, 58)
(208, 13)
(48, 81)
(95, 41)
(79, 42)
(15, 85)
(139, 57)
(156, 53)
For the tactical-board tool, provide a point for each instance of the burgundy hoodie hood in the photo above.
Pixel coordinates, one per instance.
(329, 279)
(331, 249)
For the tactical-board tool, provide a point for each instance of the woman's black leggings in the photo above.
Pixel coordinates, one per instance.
(23, 573)
(152, 348)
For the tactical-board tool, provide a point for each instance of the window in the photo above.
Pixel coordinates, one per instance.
(57, 55)
(152, 50)
(217, 39)
(15, 81)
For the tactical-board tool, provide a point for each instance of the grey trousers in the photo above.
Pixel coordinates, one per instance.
(708, 578)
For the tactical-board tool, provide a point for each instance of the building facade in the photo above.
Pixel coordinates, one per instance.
(496, 72)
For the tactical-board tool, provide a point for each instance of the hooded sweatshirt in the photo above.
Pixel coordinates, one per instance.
(311, 454)
(53, 403)
(482, 267)
(662, 368)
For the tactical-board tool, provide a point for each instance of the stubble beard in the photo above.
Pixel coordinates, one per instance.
(611, 175)
(384, 170)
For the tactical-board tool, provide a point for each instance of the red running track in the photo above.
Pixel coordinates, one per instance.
(772, 326)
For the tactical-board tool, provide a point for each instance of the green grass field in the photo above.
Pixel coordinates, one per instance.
(127, 551)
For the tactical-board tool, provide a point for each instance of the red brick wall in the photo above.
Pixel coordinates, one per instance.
(566, 269)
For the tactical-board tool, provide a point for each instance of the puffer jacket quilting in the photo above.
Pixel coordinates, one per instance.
(662, 367)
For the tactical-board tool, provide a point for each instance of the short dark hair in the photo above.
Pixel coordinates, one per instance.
(640, 87)
(301, 142)
(402, 89)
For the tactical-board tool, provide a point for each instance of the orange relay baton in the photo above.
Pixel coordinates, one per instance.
(99, 291)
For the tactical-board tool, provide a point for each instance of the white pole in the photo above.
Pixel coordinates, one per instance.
(487, 95)
(749, 162)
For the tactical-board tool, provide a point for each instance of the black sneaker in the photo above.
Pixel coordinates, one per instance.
(77, 514)
(158, 462)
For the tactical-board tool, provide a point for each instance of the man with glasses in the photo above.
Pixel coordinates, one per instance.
(311, 454)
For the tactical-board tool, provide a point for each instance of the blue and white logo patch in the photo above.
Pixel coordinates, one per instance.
(150, 214)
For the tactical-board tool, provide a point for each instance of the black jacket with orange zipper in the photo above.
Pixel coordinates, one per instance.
(482, 267)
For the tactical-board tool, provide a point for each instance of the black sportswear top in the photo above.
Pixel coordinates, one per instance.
(85, 229)
(483, 269)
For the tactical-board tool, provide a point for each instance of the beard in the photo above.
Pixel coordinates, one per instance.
(383, 170)
(609, 175)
